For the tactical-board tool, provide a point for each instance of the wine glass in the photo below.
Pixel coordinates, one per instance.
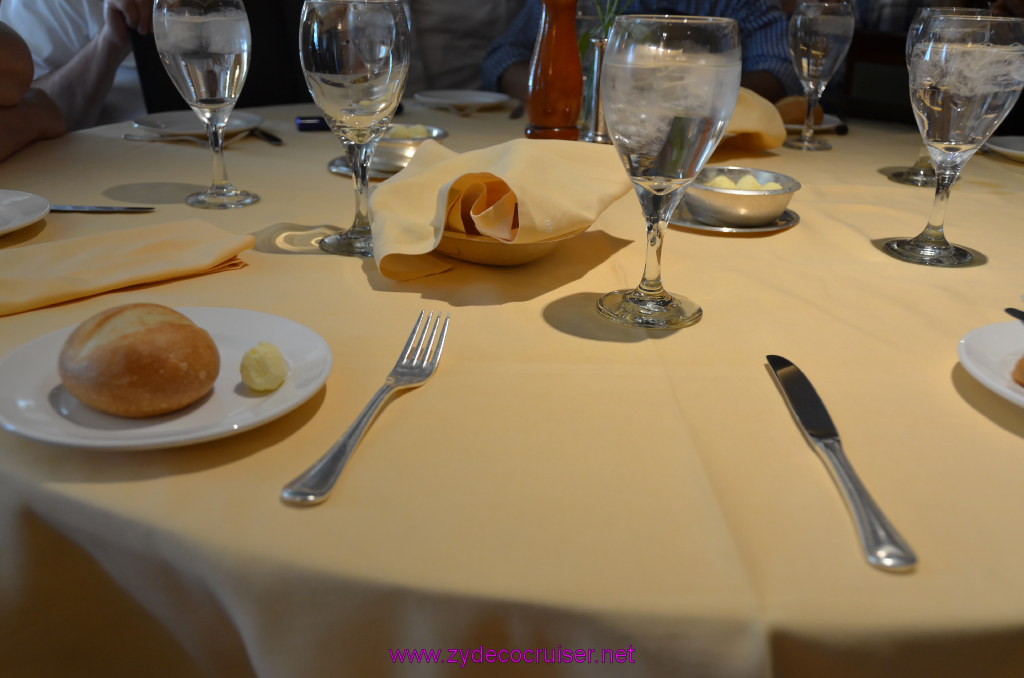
(966, 73)
(819, 35)
(668, 87)
(204, 46)
(921, 172)
(355, 56)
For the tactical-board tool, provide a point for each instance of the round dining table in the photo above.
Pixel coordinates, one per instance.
(565, 496)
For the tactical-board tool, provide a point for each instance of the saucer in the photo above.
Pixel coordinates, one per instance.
(682, 217)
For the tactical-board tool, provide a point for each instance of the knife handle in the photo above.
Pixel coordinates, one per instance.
(884, 547)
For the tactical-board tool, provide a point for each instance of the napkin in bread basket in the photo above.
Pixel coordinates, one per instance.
(520, 192)
(47, 273)
(756, 125)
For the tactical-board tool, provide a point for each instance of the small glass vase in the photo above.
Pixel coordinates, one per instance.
(592, 124)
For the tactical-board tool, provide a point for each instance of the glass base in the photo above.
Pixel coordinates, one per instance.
(908, 249)
(812, 144)
(912, 177)
(348, 244)
(665, 312)
(222, 198)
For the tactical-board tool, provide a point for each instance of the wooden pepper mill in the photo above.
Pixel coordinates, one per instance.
(555, 88)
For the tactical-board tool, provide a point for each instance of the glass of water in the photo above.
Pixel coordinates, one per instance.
(819, 36)
(966, 73)
(921, 172)
(668, 87)
(355, 56)
(204, 46)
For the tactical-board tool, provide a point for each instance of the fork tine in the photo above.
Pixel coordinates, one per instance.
(407, 352)
(435, 352)
(419, 354)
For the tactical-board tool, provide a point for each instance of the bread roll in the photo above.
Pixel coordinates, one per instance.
(793, 110)
(1018, 372)
(138, 360)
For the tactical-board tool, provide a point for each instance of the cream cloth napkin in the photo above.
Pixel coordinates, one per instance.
(756, 125)
(34, 276)
(520, 191)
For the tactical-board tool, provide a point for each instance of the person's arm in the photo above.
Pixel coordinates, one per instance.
(1008, 7)
(34, 117)
(506, 66)
(80, 86)
(767, 67)
(16, 68)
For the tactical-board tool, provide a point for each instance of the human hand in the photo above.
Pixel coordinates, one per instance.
(1008, 7)
(124, 15)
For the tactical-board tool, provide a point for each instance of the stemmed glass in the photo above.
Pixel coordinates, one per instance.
(819, 35)
(204, 46)
(921, 172)
(966, 73)
(668, 86)
(355, 56)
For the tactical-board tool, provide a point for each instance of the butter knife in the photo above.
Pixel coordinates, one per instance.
(263, 134)
(99, 208)
(883, 546)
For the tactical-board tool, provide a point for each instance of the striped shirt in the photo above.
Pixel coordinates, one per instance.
(763, 31)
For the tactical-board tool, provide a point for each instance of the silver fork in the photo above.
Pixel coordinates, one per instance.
(415, 365)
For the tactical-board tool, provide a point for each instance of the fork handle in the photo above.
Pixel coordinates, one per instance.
(313, 485)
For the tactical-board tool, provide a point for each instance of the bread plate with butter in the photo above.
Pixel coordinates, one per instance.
(35, 404)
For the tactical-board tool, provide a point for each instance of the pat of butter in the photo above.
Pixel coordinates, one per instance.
(746, 183)
(721, 181)
(407, 132)
(263, 367)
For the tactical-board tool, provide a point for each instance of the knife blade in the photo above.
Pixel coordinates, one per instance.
(883, 545)
(99, 208)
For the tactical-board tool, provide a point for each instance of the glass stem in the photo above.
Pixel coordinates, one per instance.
(359, 157)
(657, 207)
(215, 135)
(813, 96)
(933, 235)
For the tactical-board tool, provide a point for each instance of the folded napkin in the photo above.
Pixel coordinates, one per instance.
(521, 191)
(34, 276)
(756, 125)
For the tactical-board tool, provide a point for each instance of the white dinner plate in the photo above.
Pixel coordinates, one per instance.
(18, 209)
(187, 122)
(989, 354)
(828, 123)
(33, 403)
(460, 100)
(1010, 147)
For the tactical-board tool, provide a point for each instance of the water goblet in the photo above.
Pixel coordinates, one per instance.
(921, 172)
(819, 36)
(355, 57)
(668, 87)
(966, 73)
(204, 46)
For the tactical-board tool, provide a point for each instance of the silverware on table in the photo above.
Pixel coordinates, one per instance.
(100, 208)
(263, 134)
(883, 546)
(415, 365)
(1015, 312)
(198, 140)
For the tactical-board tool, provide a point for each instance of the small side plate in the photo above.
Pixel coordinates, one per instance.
(989, 354)
(18, 209)
(682, 217)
